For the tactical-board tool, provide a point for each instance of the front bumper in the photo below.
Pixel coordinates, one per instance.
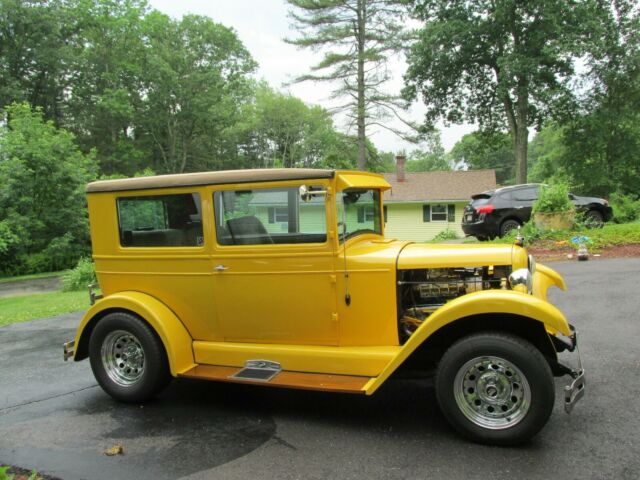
(574, 391)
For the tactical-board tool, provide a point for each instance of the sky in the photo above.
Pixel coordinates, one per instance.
(261, 25)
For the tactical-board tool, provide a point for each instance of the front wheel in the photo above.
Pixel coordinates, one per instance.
(495, 388)
(127, 358)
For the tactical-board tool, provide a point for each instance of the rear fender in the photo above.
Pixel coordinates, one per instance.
(173, 334)
(473, 304)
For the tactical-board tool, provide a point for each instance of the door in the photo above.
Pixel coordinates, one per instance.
(273, 266)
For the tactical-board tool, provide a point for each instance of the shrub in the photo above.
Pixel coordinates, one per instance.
(445, 235)
(626, 208)
(80, 277)
(553, 199)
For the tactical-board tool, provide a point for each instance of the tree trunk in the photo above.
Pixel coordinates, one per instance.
(522, 133)
(361, 113)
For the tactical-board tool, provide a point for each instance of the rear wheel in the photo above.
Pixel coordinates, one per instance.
(508, 225)
(594, 219)
(127, 358)
(495, 388)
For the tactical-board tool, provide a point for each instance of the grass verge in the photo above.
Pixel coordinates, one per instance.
(33, 276)
(30, 307)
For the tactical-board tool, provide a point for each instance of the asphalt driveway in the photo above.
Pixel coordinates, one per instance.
(54, 418)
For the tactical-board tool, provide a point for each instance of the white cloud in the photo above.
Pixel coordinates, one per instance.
(262, 25)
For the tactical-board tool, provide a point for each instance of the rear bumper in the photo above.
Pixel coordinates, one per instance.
(68, 350)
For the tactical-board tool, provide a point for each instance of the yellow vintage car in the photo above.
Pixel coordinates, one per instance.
(284, 278)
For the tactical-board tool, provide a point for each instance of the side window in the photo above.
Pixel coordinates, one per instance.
(526, 194)
(267, 216)
(160, 221)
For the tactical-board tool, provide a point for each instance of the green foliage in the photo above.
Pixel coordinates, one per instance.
(43, 222)
(80, 277)
(546, 153)
(444, 235)
(626, 208)
(502, 65)
(603, 139)
(430, 159)
(4, 475)
(483, 150)
(553, 199)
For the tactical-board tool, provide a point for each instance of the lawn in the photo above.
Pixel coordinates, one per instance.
(33, 276)
(29, 307)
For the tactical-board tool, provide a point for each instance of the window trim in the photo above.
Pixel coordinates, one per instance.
(449, 212)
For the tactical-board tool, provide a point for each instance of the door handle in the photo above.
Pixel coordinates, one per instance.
(220, 268)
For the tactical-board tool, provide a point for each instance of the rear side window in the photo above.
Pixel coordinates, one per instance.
(160, 221)
(526, 194)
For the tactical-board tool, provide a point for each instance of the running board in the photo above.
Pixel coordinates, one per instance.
(285, 379)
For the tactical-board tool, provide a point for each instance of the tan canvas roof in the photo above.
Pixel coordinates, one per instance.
(208, 178)
(439, 186)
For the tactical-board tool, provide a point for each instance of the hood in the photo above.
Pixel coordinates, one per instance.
(580, 200)
(425, 255)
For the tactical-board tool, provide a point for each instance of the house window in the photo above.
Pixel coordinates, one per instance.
(366, 214)
(278, 215)
(439, 213)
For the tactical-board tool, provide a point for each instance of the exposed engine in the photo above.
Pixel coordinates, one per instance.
(421, 292)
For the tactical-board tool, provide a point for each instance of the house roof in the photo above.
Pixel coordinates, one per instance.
(439, 186)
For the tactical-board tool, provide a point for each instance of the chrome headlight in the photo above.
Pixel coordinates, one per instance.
(522, 276)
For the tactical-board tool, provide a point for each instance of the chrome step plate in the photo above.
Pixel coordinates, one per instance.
(258, 371)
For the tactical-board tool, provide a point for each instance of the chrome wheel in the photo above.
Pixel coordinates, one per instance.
(492, 392)
(122, 357)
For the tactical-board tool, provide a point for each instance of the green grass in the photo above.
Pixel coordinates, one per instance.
(611, 234)
(33, 276)
(29, 307)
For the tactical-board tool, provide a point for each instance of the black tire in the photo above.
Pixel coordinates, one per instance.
(504, 403)
(508, 225)
(594, 219)
(127, 358)
(482, 238)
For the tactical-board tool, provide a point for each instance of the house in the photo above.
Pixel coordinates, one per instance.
(420, 205)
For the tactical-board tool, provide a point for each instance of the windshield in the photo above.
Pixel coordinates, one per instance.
(358, 212)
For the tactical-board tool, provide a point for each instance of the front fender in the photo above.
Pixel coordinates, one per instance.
(477, 303)
(546, 277)
(175, 337)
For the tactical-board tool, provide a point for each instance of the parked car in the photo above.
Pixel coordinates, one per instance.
(276, 278)
(495, 213)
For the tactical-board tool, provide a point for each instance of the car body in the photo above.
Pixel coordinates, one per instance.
(494, 213)
(283, 277)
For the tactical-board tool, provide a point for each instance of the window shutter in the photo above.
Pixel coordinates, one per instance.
(360, 214)
(385, 213)
(426, 213)
(272, 215)
(451, 213)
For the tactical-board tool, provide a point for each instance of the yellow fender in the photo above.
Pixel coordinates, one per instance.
(487, 301)
(544, 278)
(175, 337)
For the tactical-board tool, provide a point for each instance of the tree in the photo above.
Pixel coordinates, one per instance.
(195, 84)
(481, 150)
(280, 130)
(357, 37)
(500, 64)
(43, 220)
(546, 156)
(603, 139)
(35, 54)
(429, 159)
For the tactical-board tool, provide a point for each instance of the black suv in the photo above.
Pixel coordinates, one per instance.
(494, 213)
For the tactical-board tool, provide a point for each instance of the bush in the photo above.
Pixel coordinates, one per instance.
(553, 199)
(626, 208)
(80, 277)
(445, 235)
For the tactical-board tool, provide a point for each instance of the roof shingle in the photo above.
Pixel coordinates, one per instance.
(439, 186)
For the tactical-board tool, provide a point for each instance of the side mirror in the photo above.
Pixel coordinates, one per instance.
(307, 193)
